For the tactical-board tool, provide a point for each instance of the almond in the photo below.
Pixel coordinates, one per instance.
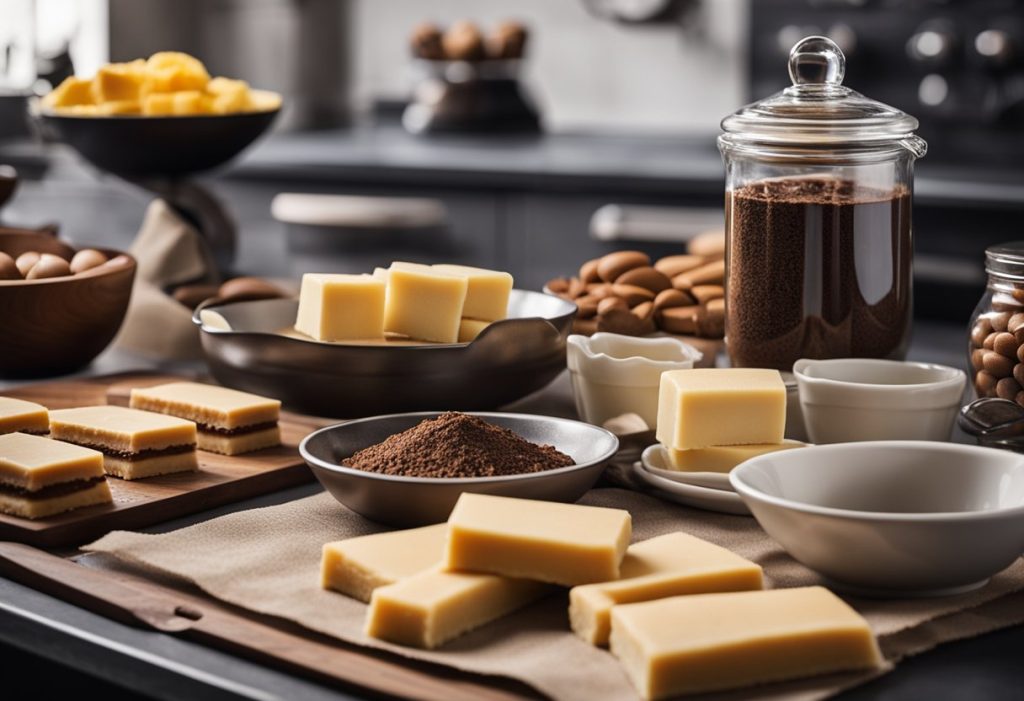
(679, 319)
(670, 266)
(588, 271)
(705, 293)
(673, 298)
(646, 277)
(612, 265)
(633, 294)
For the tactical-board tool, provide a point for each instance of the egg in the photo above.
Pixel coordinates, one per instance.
(249, 288)
(87, 258)
(8, 268)
(25, 261)
(49, 266)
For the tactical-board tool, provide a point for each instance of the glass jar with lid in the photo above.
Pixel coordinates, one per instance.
(819, 181)
(995, 345)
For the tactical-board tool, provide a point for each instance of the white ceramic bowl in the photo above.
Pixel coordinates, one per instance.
(613, 374)
(892, 518)
(859, 399)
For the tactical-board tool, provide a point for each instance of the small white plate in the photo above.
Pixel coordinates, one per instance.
(655, 460)
(720, 500)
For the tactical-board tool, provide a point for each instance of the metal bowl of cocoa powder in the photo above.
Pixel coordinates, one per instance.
(411, 466)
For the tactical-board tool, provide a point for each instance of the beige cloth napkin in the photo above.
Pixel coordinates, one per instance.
(169, 252)
(267, 560)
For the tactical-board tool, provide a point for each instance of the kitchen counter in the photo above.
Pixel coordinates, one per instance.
(39, 627)
(651, 164)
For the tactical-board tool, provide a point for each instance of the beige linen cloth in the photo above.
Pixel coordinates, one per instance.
(169, 252)
(267, 560)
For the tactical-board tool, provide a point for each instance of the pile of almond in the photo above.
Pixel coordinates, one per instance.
(623, 292)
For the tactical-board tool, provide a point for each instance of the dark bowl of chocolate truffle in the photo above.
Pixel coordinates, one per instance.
(409, 469)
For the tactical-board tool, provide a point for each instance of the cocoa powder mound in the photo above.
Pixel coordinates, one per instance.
(457, 445)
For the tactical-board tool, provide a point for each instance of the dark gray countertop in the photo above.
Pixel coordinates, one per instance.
(620, 163)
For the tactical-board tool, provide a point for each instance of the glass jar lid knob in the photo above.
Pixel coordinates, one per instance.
(817, 60)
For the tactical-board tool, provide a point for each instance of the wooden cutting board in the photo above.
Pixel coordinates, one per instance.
(137, 504)
(182, 611)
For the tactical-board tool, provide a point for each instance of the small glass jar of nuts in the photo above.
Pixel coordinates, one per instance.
(996, 345)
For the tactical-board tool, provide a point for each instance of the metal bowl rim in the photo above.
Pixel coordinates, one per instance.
(318, 463)
(36, 109)
(214, 303)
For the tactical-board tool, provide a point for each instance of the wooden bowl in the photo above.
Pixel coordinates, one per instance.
(57, 325)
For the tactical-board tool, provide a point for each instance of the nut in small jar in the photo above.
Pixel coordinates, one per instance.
(995, 343)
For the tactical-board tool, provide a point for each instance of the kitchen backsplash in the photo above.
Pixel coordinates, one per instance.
(587, 73)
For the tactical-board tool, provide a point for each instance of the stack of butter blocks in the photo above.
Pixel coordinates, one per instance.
(436, 304)
(681, 614)
(714, 419)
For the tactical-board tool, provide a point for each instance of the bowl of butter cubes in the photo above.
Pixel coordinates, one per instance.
(410, 337)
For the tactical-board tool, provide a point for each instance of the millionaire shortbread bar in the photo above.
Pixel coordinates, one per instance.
(19, 415)
(134, 443)
(228, 421)
(41, 477)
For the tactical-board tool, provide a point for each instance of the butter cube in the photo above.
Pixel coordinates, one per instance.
(668, 565)
(72, 91)
(173, 71)
(714, 642)
(357, 566)
(190, 102)
(119, 107)
(158, 104)
(546, 541)
(487, 294)
(433, 607)
(469, 329)
(119, 81)
(228, 95)
(723, 458)
(341, 307)
(707, 407)
(263, 101)
(423, 303)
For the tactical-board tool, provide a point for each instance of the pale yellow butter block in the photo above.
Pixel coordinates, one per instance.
(566, 544)
(433, 607)
(723, 458)
(667, 565)
(341, 307)
(713, 642)
(423, 303)
(469, 329)
(706, 407)
(487, 293)
(19, 415)
(380, 274)
(357, 566)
